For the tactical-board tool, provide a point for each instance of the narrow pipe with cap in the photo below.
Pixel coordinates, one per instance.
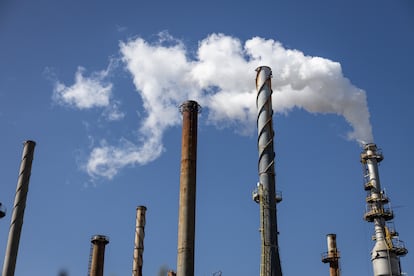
(332, 256)
(187, 204)
(98, 255)
(139, 241)
(270, 260)
(16, 224)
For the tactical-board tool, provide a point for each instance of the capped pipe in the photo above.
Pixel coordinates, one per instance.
(187, 204)
(332, 256)
(139, 241)
(270, 260)
(16, 223)
(98, 255)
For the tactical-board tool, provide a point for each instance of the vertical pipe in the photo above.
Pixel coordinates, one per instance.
(139, 241)
(186, 220)
(270, 260)
(385, 256)
(16, 224)
(332, 256)
(98, 255)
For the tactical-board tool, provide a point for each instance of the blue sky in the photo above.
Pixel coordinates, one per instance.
(97, 86)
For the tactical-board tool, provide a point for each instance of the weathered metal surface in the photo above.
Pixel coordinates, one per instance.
(98, 255)
(332, 256)
(139, 241)
(187, 205)
(16, 223)
(270, 260)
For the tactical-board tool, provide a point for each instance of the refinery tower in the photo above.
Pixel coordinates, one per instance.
(388, 248)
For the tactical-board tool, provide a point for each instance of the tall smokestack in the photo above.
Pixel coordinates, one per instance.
(186, 220)
(98, 255)
(385, 255)
(270, 260)
(16, 224)
(332, 256)
(139, 241)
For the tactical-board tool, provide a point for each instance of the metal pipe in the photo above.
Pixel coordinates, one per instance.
(332, 256)
(186, 220)
(16, 224)
(270, 260)
(139, 241)
(98, 255)
(385, 256)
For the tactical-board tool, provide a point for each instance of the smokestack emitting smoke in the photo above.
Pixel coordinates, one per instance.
(16, 223)
(187, 204)
(270, 260)
(139, 241)
(98, 255)
(218, 76)
(385, 255)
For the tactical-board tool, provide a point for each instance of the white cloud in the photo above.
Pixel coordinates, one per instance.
(94, 91)
(85, 92)
(221, 79)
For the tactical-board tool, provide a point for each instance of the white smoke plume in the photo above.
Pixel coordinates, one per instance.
(220, 77)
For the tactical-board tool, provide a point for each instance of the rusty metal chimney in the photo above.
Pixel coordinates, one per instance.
(97, 258)
(270, 260)
(332, 256)
(16, 223)
(186, 219)
(139, 241)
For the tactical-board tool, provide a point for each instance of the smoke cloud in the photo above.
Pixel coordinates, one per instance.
(220, 77)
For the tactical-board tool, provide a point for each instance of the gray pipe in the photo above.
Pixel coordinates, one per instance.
(270, 260)
(385, 256)
(16, 223)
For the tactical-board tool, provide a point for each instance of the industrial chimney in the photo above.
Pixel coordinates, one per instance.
(97, 258)
(2, 211)
(139, 241)
(270, 260)
(388, 249)
(332, 256)
(16, 224)
(186, 220)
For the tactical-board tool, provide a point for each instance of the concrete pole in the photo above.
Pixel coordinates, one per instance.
(186, 220)
(98, 255)
(139, 241)
(16, 224)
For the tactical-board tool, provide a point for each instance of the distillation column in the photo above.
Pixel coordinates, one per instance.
(139, 241)
(187, 205)
(332, 256)
(270, 260)
(16, 224)
(385, 255)
(98, 255)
